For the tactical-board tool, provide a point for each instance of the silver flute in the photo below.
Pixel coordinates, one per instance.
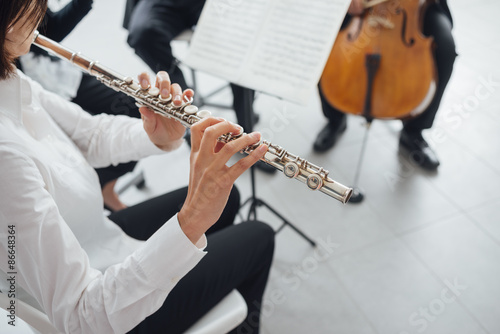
(316, 178)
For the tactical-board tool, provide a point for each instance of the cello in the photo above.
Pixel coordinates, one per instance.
(384, 57)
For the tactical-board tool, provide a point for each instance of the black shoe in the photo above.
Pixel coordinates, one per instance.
(329, 135)
(418, 150)
(266, 168)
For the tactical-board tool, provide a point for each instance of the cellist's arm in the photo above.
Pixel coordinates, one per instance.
(356, 7)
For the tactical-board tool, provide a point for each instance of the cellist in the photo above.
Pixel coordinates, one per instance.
(437, 22)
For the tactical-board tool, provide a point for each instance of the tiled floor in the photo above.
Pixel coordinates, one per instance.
(421, 254)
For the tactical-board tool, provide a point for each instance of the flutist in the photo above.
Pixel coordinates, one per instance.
(78, 266)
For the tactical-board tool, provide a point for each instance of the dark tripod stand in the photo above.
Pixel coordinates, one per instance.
(253, 200)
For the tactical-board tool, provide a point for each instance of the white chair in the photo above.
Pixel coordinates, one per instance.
(223, 317)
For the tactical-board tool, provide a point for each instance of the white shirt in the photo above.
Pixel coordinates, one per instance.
(86, 274)
(54, 74)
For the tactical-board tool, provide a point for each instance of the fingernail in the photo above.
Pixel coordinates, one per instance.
(144, 83)
(165, 93)
(178, 98)
(261, 149)
(255, 135)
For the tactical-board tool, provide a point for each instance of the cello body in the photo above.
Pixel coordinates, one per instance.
(403, 81)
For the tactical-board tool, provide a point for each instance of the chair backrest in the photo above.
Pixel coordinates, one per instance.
(223, 317)
(25, 314)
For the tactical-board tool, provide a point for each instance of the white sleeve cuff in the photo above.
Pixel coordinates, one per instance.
(168, 255)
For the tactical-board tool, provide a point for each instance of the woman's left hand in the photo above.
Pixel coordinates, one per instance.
(163, 131)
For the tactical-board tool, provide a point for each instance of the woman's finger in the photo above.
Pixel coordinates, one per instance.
(244, 164)
(212, 133)
(198, 129)
(188, 94)
(163, 84)
(176, 91)
(238, 145)
(144, 80)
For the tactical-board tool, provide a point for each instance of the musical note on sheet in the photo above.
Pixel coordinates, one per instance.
(279, 47)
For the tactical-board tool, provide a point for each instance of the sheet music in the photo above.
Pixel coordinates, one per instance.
(279, 47)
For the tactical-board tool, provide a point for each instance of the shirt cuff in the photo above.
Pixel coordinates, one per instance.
(168, 255)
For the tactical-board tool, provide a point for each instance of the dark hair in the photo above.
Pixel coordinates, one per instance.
(11, 11)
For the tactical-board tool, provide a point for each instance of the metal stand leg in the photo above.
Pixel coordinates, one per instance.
(357, 196)
(253, 200)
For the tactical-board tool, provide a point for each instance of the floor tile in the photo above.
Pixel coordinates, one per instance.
(398, 294)
(459, 252)
(306, 298)
(486, 216)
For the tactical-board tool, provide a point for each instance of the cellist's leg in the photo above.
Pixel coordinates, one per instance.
(437, 25)
(337, 123)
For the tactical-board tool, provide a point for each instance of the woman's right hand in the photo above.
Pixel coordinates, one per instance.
(210, 179)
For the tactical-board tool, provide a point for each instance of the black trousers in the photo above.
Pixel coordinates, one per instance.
(95, 98)
(438, 25)
(154, 24)
(238, 257)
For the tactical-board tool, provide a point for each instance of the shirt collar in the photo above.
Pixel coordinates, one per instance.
(15, 93)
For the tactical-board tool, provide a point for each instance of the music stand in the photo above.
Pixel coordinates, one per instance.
(254, 201)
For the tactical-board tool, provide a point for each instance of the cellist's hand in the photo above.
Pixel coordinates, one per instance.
(357, 7)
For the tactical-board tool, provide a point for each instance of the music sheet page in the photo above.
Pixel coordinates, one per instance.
(279, 47)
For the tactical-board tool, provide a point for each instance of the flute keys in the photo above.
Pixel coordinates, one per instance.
(154, 91)
(291, 169)
(165, 100)
(190, 110)
(203, 113)
(128, 80)
(314, 181)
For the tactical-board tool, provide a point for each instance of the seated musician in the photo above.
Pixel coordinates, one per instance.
(152, 270)
(438, 24)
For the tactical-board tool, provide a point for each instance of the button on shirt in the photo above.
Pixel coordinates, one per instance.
(85, 273)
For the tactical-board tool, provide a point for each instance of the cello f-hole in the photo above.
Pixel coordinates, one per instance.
(411, 40)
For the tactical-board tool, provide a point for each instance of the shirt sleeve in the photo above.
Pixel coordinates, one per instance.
(51, 265)
(103, 139)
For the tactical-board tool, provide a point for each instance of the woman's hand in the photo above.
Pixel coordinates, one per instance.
(210, 179)
(163, 131)
(356, 7)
